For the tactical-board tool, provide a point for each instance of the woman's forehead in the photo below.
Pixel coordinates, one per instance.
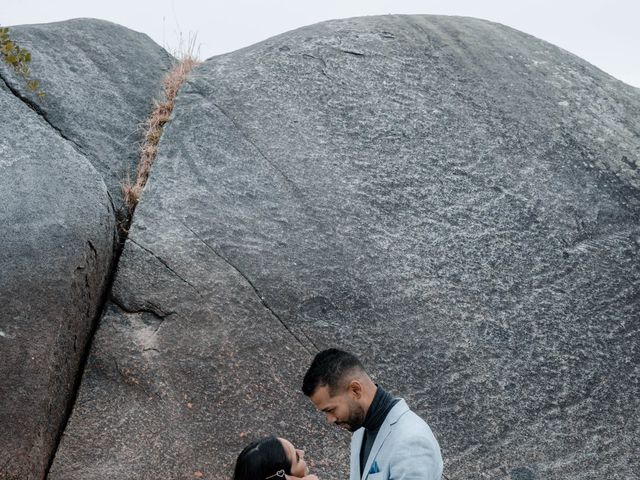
(288, 446)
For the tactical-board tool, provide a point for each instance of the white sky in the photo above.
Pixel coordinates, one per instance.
(606, 33)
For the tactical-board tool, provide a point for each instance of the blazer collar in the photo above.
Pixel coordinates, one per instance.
(396, 412)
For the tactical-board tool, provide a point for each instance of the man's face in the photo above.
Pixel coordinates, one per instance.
(342, 409)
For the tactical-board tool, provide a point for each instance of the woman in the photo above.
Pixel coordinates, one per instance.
(271, 458)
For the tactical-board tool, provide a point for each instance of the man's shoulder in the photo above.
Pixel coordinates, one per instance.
(411, 425)
(411, 419)
(411, 449)
(402, 413)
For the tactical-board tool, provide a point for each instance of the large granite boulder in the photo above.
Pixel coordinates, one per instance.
(453, 200)
(57, 246)
(61, 162)
(99, 81)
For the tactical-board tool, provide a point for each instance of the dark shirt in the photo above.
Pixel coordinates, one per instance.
(382, 403)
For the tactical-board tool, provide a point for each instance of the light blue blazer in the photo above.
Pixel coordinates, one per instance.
(404, 449)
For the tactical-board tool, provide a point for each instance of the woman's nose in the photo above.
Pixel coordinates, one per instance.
(301, 453)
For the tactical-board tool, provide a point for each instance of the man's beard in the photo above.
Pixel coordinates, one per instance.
(355, 420)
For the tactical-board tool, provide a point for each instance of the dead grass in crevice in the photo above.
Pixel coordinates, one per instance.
(153, 127)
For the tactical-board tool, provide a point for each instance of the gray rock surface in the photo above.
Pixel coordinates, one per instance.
(56, 155)
(99, 80)
(453, 200)
(57, 242)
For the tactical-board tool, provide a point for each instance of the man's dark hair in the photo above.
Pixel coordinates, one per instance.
(261, 459)
(329, 368)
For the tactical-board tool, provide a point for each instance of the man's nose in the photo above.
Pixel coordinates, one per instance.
(331, 419)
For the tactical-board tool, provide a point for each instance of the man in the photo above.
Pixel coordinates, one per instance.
(389, 441)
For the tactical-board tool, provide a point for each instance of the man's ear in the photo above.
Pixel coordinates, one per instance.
(355, 389)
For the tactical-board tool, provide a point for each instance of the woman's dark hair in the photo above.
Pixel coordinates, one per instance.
(261, 459)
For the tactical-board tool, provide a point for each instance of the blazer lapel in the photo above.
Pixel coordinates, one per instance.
(356, 444)
(392, 417)
(384, 431)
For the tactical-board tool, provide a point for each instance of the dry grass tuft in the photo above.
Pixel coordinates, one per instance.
(153, 126)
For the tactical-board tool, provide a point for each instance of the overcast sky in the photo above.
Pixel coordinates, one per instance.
(605, 33)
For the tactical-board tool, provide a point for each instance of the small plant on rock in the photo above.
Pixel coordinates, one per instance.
(18, 58)
(154, 125)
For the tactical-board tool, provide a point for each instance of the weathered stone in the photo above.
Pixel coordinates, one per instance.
(453, 200)
(99, 81)
(57, 242)
(58, 219)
